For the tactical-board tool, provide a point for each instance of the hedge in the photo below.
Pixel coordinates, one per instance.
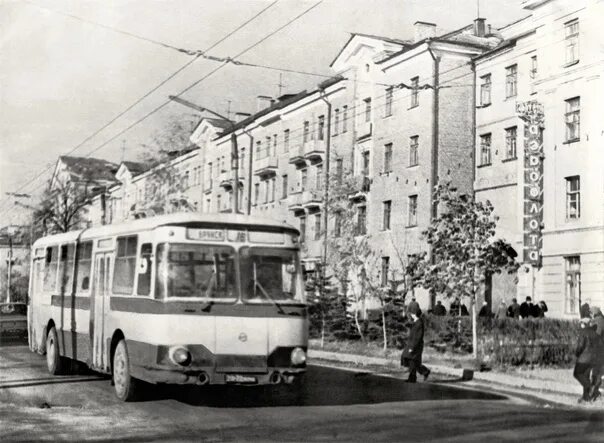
(505, 342)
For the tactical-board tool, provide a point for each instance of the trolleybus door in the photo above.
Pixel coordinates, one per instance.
(100, 299)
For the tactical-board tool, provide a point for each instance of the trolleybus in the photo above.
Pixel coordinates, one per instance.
(179, 298)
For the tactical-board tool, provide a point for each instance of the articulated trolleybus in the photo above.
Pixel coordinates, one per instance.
(180, 298)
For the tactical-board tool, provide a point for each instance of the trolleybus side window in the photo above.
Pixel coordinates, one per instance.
(38, 275)
(125, 265)
(66, 268)
(143, 286)
(84, 265)
(51, 261)
(270, 274)
(194, 270)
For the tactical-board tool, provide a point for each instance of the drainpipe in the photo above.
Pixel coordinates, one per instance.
(326, 193)
(434, 156)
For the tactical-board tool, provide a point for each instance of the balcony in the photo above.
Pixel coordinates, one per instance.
(312, 199)
(295, 201)
(314, 150)
(364, 130)
(227, 178)
(266, 166)
(296, 156)
(360, 193)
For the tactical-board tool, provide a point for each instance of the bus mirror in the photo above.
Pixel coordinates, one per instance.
(143, 266)
(290, 269)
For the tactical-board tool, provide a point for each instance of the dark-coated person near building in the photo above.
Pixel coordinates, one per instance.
(542, 309)
(587, 347)
(514, 309)
(413, 305)
(414, 347)
(585, 310)
(526, 308)
(535, 310)
(457, 308)
(597, 323)
(439, 309)
(485, 311)
(502, 311)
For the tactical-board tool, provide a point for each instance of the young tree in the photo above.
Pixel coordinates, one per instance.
(323, 297)
(464, 248)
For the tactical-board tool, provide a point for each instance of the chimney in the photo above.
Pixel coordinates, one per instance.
(263, 102)
(479, 27)
(240, 116)
(424, 30)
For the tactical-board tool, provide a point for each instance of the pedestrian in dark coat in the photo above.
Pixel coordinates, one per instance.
(514, 309)
(586, 354)
(535, 310)
(597, 323)
(439, 309)
(413, 305)
(543, 309)
(485, 311)
(585, 310)
(414, 347)
(526, 308)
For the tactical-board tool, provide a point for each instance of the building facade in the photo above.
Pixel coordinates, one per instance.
(551, 61)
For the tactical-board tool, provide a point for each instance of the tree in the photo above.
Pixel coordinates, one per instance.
(165, 183)
(323, 297)
(464, 248)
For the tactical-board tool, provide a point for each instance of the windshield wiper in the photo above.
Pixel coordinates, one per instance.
(270, 297)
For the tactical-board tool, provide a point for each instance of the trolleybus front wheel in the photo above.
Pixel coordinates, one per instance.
(54, 361)
(125, 385)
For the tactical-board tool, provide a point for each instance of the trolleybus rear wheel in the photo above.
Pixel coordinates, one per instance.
(54, 361)
(125, 385)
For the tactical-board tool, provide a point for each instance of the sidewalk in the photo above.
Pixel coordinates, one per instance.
(538, 382)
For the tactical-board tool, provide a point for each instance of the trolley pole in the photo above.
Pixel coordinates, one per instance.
(9, 267)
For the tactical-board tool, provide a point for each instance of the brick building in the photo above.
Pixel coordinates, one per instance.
(551, 58)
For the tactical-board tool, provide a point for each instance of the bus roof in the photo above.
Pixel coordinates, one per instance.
(182, 219)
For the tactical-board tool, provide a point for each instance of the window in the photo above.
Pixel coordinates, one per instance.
(511, 81)
(387, 209)
(318, 226)
(269, 275)
(284, 186)
(306, 131)
(336, 121)
(362, 220)
(242, 160)
(193, 270)
(412, 219)
(143, 286)
(365, 163)
(185, 182)
(66, 268)
(573, 284)
(257, 193)
(339, 169)
(319, 177)
(125, 265)
(533, 74)
(485, 90)
(218, 203)
(388, 157)
(209, 177)
(485, 149)
(573, 119)
(573, 197)
(321, 128)
(208, 205)
(84, 265)
(273, 186)
(510, 142)
(571, 32)
(388, 106)
(413, 150)
(286, 140)
(337, 225)
(51, 263)
(267, 184)
(258, 149)
(303, 178)
(344, 119)
(267, 151)
(414, 92)
(385, 270)
(302, 229)
(367, 109)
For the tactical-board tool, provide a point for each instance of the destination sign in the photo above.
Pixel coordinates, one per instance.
(205, 234)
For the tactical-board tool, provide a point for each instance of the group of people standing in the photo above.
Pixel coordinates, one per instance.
(527, 309)
(589, 366)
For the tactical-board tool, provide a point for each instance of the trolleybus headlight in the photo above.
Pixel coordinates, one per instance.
(298, 356)
(181, 356)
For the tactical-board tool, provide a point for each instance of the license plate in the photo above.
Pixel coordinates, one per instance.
(238, 378)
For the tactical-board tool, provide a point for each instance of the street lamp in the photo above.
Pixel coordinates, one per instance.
(234, 148)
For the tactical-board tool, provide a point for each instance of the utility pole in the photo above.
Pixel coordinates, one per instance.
(234, 149)
(9, 266)
(280, 85)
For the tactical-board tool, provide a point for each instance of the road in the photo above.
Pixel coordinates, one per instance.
(335, 404)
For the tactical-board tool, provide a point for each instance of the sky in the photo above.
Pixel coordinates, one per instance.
(64, 74)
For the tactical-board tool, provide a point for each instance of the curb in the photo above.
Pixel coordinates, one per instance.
(464, 374)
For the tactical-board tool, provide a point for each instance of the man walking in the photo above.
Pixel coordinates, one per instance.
(586, 354)
(526, 308)
(514, 309)
(412, 354)
(596, 374)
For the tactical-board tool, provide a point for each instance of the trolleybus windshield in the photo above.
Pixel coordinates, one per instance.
(269, 275)
(195, 271)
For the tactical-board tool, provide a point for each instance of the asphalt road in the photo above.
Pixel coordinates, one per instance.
(334, 404)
